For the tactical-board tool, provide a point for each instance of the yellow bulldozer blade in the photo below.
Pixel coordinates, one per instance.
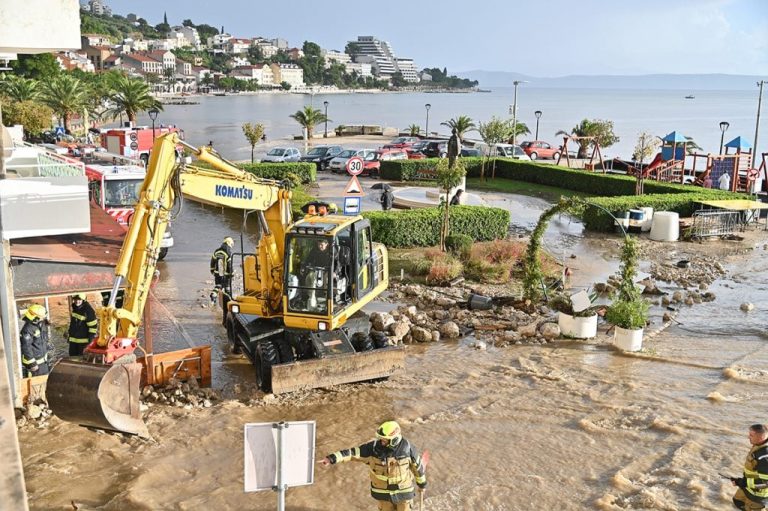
(96, 395)
(338, 369)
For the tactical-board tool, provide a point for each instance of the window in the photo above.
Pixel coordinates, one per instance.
(122, 193)
(308, 260)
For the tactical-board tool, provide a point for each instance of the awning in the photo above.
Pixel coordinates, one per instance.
(66, 264)
(739, 143)
(675, 137)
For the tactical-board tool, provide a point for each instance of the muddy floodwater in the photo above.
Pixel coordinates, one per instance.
(567, 426)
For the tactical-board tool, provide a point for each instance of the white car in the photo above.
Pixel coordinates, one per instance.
(281, 155)
(504, 150)
(339, 163)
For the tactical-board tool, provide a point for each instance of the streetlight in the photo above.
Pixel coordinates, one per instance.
(427, 106)
(514, 112)
(723, 128)
(537, 113)
(325, 104)
(153, 115)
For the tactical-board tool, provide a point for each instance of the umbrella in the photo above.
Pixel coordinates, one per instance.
(381, 186)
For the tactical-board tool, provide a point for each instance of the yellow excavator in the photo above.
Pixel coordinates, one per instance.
(299, 319)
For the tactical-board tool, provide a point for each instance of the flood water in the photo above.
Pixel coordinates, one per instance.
(567, 426)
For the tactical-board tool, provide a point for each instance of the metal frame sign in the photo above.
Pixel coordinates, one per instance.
(352, 205)
(355, 166)
(278, 455)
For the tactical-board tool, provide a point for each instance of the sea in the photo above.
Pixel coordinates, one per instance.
(659, 112)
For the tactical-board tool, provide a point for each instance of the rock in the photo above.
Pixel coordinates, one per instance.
(440, 314)
(411, 311)
(528, 330)
(444, 301)
(21, 422)
(449, 330)
(511, 336)
(419, 334)
(481, 345)
(34, 412)
(719, 267)
(435, 336)
(677, 297)
(381, 321)
(666, 317)
(665, 301)
(146, 391)
(193, 400)
(143, 407)
(399, 329)
(269, 398)
(689, 300)
(747, 307)
(709, 296)
(207, 404)
(550, 330)
(703, 286)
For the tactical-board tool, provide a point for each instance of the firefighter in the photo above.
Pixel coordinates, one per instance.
(82, 325)
(34, 342)
(753, 485)
(394, 466)
(221, 268)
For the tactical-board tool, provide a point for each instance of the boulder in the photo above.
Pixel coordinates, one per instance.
(550, 330)
(511, 336)
(677, 297)
(747, 307)
(444, 301)
(399, 329)
(412, 290)
(481, 345)
(449, 330)
(435, 336)
(381, 321)
(34, 412)
(528, 330)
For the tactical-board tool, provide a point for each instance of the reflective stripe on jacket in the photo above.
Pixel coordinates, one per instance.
(756, 473)
(392, 471)
(221, 261)
(34, 343)
(82, 323)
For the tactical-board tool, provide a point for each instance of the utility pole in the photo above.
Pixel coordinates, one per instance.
(514, 112)
(757, 122)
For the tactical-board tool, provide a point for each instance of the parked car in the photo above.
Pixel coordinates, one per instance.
(415, 155)
(321, 155)
(338, 164)
(402, 142)
(282, 155)
(372, 162)
(471, 151)
(538, 149)
(418, 146)
(504, 150)
(436, 149)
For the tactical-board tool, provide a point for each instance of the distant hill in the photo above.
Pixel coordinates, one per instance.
(654, 81)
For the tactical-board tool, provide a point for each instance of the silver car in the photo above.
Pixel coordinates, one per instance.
(339, 163)
(282, 154)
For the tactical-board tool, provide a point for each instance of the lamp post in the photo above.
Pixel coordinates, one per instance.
(153, 115)
(757, 121)
(723, 128)
(426, 130)
(514, 112)
(537, 113)
(325, 104)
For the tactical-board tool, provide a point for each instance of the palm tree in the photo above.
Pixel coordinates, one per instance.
(520, 128)
(131, 96)
(599, 130)
(462, 124)
(20, 89)
(65, 95)
(170, 76)
(308, 118)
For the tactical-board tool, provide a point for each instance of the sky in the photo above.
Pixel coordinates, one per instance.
(546, 38)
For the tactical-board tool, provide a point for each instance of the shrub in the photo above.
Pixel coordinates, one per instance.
(421, 227)
(482, 270)
(628, 314)
(443, 270)
(307, 172)
(459, 245)
(415, 170)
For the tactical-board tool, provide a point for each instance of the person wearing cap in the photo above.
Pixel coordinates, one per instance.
(395, 465)
(82, 325)
(34, 342)
(752, 490)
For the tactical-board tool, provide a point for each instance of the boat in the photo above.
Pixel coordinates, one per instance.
(690, 96)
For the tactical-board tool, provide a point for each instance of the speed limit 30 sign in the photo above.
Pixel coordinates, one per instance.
(355, 166)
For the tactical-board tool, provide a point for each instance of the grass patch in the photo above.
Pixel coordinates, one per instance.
(522, 188)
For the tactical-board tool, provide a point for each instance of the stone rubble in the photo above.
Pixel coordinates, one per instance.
(33, 415)
(187, 395)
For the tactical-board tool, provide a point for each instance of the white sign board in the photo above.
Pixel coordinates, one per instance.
(351, 206)
(580, 301)
(39, 26)
(261, 454)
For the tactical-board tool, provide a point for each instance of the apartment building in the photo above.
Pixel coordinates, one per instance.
(260, 73)
(290, 73)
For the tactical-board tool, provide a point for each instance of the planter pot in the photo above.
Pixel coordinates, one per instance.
(628, 340)
(578, 328)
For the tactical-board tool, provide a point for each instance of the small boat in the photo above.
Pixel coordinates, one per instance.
(690, 96)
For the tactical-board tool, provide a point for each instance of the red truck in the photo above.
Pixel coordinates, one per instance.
(134, 143)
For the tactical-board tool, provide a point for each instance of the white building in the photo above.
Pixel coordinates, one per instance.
(378, 53)
(338, 57)
(408, 69)
(290, 73)
(100, 7)
(268, 49)
(237, 46)
(260, 73)
(163, 44)
(218, 41)
(135, 45)
(363, 70)
(189, 34)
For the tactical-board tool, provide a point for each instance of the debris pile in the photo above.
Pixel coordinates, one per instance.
(180, 394)
(35, 414)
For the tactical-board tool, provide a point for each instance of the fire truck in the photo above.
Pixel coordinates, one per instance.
(134, 142)
(115, 189)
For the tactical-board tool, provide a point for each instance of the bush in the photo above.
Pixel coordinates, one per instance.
(482, 270)
(443, 270)
(459, 245)
(628, 314)
(307, 172)
(421, 227)
(416, 170)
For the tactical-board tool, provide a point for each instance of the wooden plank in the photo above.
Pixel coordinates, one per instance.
(32, 389)
(181, 364)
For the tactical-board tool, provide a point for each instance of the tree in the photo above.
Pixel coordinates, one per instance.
(19, 89)
(39, 67)
(34, 116)
(255, 54)
(308, 118)
(207, 80)
(448, 177)
(414, 130)
(462, 124)
(493, 132)
(253, 132)
(645, 147)
(169, 74)
(601, 130)
(131, 96)
(285, 85)
(65, 95)
(398, 80)
(352, 48)
(311, 49)
(517, 129)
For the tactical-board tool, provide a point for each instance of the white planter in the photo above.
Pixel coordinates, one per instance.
(628, 340)
(578, 328)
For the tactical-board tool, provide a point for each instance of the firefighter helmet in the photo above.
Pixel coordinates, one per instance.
(229, 241)
(390, 430)
(36, 311)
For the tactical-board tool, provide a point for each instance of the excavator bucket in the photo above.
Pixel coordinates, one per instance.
(96, 395)
(339, 369)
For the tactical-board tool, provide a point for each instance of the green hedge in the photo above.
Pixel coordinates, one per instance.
(421, 227)
(307, 172)
(596, 219)
(408, 170)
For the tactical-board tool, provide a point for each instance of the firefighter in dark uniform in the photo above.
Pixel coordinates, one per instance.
(394, 467)
(34, 342)
(221, 269)
(753, 485)
(82, 325)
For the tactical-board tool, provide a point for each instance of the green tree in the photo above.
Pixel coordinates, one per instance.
(308, 118)
(448, 177)
(38, 67)
(207, 80)
(311, 49)
(66, 95)
(352, 48)
(462, 124)
(398, 80)
(255, 54)
(285, 85)
(517, 129)
(253, 132)
(35, 117)
(414, 130)
(169, 74)
(131, 96)
(493, 132)
(597, 130)
(19, 89)
(645, 147)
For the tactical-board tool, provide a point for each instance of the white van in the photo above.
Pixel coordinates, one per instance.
(504, 151)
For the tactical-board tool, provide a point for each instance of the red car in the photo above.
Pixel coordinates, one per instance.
(402, 143)
(372, 162)
(540, 149)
